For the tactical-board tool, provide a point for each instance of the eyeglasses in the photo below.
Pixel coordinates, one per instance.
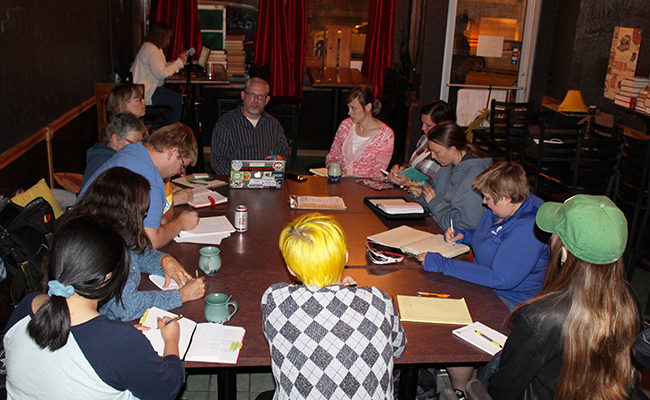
(182, 163)
(254, 96)
(141, 98)
(129, 141)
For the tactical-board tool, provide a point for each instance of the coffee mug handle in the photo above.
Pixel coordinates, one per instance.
(232, 303)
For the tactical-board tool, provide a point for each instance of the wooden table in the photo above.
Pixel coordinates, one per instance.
(192, 99)
(252, 262)
(336, 79)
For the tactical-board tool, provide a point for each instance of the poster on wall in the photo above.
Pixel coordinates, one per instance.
(622, 58)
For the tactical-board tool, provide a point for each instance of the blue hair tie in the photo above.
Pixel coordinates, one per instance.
(59, 289)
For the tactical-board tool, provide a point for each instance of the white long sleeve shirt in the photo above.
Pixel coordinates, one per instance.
(150, 68)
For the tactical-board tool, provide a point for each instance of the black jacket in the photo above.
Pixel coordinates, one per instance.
(532, 357)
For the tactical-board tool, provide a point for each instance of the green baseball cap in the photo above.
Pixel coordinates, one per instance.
(592, 228)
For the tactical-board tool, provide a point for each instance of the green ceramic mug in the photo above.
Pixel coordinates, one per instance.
(217, 308)
(210, 260)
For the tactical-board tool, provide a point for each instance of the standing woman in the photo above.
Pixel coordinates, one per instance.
(574, 339)
(150, 68)
(449, 194)
(363, 144)
(57, 344)
(434, 113)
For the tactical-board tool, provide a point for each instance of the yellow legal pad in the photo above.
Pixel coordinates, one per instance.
(433, 310)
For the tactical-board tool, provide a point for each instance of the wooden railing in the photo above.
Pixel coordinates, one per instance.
(45, 134)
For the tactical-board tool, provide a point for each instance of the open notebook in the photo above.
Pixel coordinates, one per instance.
(413, 242)
(204, 342)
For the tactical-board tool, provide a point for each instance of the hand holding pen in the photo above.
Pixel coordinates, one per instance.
(451, 237)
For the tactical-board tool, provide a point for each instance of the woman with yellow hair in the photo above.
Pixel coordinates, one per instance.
(328, 338)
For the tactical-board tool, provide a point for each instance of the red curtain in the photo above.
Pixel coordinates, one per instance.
(379, 43)
(183, 17)
(280, 44)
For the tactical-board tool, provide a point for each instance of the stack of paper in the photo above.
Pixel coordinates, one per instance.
(317, 203)
(482, 336)
(398, 206)
(210, 230)
(205, 342)
(413, 242)
(433, 310)
(203, 197)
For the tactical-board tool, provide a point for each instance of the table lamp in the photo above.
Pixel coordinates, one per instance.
(573, 102)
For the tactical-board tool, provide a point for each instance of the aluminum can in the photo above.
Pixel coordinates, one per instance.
(241, 218)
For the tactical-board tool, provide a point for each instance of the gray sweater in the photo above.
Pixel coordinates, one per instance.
(455, 195)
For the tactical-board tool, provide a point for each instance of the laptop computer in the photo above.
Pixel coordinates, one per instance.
(257, 174)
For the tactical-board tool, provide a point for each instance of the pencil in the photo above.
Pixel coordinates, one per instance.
(176, 318)
(441, 295)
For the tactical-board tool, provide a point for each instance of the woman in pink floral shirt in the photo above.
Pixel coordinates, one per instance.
(363, 144)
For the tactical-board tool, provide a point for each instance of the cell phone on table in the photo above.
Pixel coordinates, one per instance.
(296, 177)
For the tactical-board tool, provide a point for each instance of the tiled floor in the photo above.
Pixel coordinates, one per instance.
(204, 387)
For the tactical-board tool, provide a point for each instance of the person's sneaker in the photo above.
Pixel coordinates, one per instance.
(460, 394)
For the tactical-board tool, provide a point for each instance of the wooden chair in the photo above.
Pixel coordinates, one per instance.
(101, 95)
(339, 41)
(508, 121)
(548, 153)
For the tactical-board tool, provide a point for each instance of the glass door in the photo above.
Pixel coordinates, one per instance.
(489, 50)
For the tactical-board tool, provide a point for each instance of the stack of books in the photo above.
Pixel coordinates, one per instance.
(236, 54)
(629, 90)
(643, 101)
(218, 57)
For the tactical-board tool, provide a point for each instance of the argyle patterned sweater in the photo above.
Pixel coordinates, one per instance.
(338, 342)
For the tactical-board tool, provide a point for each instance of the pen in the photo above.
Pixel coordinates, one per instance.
(451, 225)
(197, 274)
(441, 295)
(176, 318)
(488, 338)
(416, 186)
(197, 182)
(383, 171)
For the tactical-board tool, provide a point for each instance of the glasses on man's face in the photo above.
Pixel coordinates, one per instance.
(183, 166)
(258, 97)
(141, 98)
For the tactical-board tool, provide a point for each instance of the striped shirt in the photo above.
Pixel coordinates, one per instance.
(235, 138)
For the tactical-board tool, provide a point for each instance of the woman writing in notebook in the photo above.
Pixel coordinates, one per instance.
(508, 257)
(58, 346)
(122, 196)
(363, 144)
(574, 339)
(450, 192)
(432, 114)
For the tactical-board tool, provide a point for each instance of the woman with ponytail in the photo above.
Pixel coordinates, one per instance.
(574, 339)
(57, 344)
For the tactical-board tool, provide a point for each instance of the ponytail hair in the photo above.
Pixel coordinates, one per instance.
(448, 134)
(92, 258)
(364, 95)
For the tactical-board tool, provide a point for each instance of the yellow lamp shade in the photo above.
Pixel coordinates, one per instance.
(573, 102)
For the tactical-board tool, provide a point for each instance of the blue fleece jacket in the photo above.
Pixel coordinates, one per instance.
(95, 157)
(507, 256)
(135, 302)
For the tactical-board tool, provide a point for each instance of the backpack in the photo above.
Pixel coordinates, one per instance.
(25, 235)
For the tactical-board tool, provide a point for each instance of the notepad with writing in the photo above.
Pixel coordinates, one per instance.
(433, 310)
(317, 203)
(482, 336)
(204, 342)
(198, 181)
(414, 241)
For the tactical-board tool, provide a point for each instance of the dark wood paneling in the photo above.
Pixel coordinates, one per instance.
(51, 57)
